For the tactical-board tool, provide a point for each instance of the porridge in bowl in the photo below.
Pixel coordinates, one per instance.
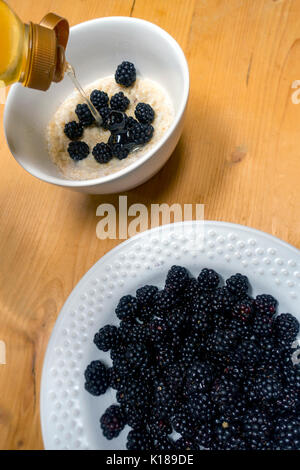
(136, 112)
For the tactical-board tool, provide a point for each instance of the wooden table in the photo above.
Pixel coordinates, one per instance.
(239, 155)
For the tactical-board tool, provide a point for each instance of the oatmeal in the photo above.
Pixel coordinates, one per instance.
(144, 90)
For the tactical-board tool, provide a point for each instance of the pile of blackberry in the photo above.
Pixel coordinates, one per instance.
(198, 365)
(126, 132)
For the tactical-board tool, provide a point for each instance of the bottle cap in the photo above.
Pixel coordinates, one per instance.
(47, 42)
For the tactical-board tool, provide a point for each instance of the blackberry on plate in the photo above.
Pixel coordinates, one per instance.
(177, 278)
(136, 355)
(286, 327)
(247, 353)
(112, 422)
(262, 326)
(164, 301)
(227, 437)
(287, 433)
(96, 378)
(120, 151)
(84, 115)
(159, 427)
(141, 134)
(135, 416)
(199, 377)
(116, 380)
(233, 412)
(102, 153)
(238, 284)
(145, 295)
(265, 304)
(99, 99)
(164, 356)
(73, 130)
(288, 402)
(241, 329)
(189, 350)
(78, 150)
(204, 435)
(106, 338)
(201, 407)
(125, 74)
(191, 291)
(243, 310)
(158, 330)
(268, 386)
(208, 279)
(223, 300)
(224, 391)
(119, 102)
(256, 428)
(183, 423)
(127, 307)
(144, 113)
(175, 374)
(200, 322)
(139, 439)
(164, 443)
(222, 342)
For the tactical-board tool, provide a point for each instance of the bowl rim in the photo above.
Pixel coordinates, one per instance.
(148, 155)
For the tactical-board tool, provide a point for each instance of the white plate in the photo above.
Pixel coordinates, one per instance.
(70, 415)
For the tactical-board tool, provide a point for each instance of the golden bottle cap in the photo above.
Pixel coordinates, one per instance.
(46, 58)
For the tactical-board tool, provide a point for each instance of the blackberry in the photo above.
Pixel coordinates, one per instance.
(177, 278)
(145, 295)
(136, 355)
(241, 329)
(226, 435)
(164, 443)
(73, 130)
(164, 301)
(268, 387)
(175, 376)
(159, 427)
(247, 353)
(96, 378)
(139, 439)
(223, 300)
(201, 407)
(243, 310)
(165, 398)
(256, 428)
(127, 307)
(105, 113)
(116, 380)
(233, 412)
(183, 423)
(164, 356)
(199, 377)
(84, 115)
(102, 153)
(136, 394)
(265, 304)
(208, 279)
(176, 320)
(185, 444)
(158, 330)
(204, 436)
(78, 150)
(135, 417)
(144, 113)
(120, 151)
(262, 326)
(222, 342)
(125, 74)
(238, 285)
(288, 402)
(119, 102)
(191, 291)
(141, 134)
(99, 99)
(287, 433)
(112, 422)
(130, 122)
(200, 322)
(189, 350)
(286, 327)
(224, 391)
(106, 338)
(234, 371)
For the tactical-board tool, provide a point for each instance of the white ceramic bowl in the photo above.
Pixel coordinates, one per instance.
(94, 49)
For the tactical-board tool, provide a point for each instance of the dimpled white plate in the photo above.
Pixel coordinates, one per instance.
(70, 415)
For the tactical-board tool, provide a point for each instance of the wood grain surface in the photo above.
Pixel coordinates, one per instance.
(239, 155)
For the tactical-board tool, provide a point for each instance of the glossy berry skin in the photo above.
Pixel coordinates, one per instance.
(78, 150)
(208, 279)
(177, 279)
(125, 74)
(120, 151)
(139, 439)
(286, 327)
(265, 304)
(141, 134)
(144, 113)
(112, 422)
(84, 115)
(102, 153)
(96, 378)
(238, 285)
(127, 307)
(106, 338)
(73, 130)
(287, 433)
(99, 99)
(119, 102)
